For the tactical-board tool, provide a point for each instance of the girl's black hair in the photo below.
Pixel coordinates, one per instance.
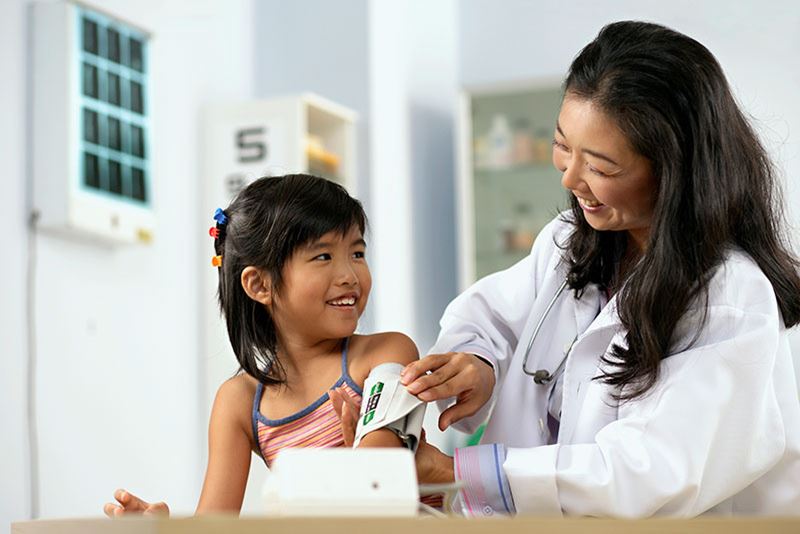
(716, 190)
(266, 222)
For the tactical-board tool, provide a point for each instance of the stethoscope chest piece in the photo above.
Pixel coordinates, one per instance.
(542, 376)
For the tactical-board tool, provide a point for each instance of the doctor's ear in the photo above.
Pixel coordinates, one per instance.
(257, 284)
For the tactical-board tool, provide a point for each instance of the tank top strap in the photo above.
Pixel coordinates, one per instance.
(345, 373)
(254, 415)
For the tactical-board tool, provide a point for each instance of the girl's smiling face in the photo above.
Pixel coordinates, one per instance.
(326, 284)
(613, 184)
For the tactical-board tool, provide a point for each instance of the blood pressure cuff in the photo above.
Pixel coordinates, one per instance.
(387, 404)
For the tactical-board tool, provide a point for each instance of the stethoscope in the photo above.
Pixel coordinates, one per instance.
(543, 376)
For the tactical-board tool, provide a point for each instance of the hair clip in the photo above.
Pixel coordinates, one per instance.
(216, 261)
(213, 232)
(220, 217)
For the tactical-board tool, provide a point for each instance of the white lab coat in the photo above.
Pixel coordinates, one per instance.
(718, 433)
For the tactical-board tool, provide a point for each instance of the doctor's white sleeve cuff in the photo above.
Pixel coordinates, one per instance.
(531, 474)
(486, 491)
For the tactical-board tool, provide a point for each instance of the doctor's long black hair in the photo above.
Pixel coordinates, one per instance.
(716, 189)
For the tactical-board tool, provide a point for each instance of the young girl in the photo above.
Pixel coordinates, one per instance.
(293, 282)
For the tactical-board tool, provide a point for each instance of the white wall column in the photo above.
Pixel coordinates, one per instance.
(390, 169)
(412, 86)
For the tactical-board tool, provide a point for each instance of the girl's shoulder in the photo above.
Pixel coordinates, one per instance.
(366, 352)
(234, 399)
(239, 386)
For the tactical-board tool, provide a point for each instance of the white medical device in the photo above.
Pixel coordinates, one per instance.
(387, 404)
(342, 482)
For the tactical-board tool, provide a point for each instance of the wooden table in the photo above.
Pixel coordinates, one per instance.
(422, 525)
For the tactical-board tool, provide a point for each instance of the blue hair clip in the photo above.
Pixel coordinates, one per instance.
(220, 217)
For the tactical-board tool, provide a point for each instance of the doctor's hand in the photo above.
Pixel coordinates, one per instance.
(130, 504)
(456, 374)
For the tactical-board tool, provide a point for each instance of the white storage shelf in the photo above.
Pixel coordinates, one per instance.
(296, 134)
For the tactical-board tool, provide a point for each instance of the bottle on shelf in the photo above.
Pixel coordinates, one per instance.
(320, 160)
(522, 151)
(543, 146)
(518, 233)
(499, 154)
(480, 147)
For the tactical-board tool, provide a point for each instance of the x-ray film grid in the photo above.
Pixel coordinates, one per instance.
(112, 65)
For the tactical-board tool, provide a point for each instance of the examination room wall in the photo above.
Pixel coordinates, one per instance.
(115, 329)
(119, 391)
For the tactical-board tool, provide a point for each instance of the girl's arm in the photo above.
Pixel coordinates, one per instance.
(228, 459)
(347, 409)
(229, 449)
(387, 347)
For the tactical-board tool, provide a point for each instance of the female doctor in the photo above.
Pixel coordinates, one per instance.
(636, 363)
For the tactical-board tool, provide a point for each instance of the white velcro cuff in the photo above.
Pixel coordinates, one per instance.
(387, 404)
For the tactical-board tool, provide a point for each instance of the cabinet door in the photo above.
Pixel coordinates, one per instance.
(515, 189)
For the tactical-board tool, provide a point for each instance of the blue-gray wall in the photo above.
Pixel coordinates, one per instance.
(328, 53)
(316, 46)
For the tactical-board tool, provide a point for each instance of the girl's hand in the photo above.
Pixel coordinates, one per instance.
(130, 504)
(455, 374)
(347, 409)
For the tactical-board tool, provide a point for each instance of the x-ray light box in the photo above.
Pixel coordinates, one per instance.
(91, 125)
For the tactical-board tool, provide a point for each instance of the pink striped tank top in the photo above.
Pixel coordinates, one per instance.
(316, 425)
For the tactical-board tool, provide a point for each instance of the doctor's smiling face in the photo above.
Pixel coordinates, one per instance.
(613, 184)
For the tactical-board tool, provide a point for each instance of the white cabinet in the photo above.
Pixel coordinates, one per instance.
(508, 188)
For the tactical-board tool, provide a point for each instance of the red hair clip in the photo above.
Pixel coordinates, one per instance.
(216, 261)
(213, 232)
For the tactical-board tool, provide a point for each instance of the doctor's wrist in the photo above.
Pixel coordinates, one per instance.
(484, 359)
(442, 470)
(433, 466)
